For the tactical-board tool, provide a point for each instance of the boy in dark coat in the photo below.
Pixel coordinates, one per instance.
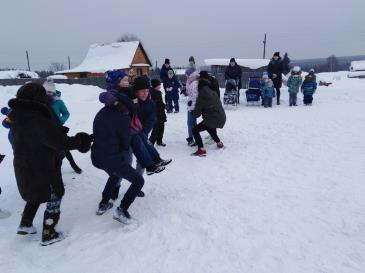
(159, 128)
(172, 86)
(209, 106)
(38, 140)
(110, 153)
(275, 71)
(309, 87)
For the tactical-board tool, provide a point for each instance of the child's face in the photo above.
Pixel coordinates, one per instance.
(170, 75)
(143, 94)
(124, 82)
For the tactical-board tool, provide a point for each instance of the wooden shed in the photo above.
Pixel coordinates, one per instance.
(104, 57)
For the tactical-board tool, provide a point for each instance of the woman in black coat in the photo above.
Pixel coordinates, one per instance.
(159, 128)
(275, 71)
(38, 141)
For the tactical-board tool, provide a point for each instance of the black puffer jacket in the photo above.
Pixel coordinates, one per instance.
(160, 105)
(38, 140)
(209, 106)
(276, 67)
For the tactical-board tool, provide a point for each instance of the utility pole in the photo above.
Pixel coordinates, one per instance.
(27, 59)
(69, 62)
(264, 42)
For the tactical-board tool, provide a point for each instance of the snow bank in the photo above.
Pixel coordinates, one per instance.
(17, 74)
(59, 77)
(286, 195)
(250, 63)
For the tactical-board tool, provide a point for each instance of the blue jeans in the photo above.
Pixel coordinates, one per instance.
(292, 99)
(145, 153)
(191, 124)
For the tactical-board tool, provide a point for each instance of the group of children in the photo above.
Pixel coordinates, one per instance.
(295, 83)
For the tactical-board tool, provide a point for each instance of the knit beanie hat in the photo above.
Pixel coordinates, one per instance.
(170, 72)
(33, 91)
(167, 61)
(232, 60)
(50, 86)
(141, 83)
(277, 54)
(113, 77)
(155, 83)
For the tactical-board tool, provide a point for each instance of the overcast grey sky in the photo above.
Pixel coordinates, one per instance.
(52, 30)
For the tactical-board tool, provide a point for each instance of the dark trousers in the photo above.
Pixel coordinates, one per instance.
(267, 102)
(172, 101)
(157, 132)
(292, 99)
(71, 160)
(31, 208)
(277, 95)
(200, 128)
(127, 172)
(308, 99)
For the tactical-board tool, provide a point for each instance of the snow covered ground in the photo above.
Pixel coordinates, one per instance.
(286, 195)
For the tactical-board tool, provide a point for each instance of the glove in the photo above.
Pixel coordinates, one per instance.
(85, 142)
(190, 103)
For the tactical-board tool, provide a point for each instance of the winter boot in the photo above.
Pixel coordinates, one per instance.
(200, 152)
(161, 162)
(220, 145)
(122, 215)
(104, 207)
(154, 169)
(25, 230)
(49, 234)
(161, 144)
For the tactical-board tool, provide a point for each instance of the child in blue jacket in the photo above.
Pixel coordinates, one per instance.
(309, 87)
(172, 86)
(267, 90)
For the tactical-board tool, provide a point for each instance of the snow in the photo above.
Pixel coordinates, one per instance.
(103, 57)
(250, 63)
(286, 195)
(356, 74)
(15, 74)
(57, 77)
(357, 66)
(180, 72)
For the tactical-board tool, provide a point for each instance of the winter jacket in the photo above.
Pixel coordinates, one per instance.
(160, 105)
(267, 92)
(146, 111)
(163, 74)
(7, 124)
(38, 140)
(209, 106)
(172, 86)
(60, 109)
(192, 90)
(276, 67)
(190, 70)
(112, 139)
(294, 83)
(214, 85)
(309, 85)
(233, 72)
(113, 96)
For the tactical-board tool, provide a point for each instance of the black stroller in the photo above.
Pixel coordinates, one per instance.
(230, 96)
(253, 92)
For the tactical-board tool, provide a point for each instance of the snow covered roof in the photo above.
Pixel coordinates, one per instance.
(103, 57)
(356, 74)
(250, 63)
(18, 74)
(357, 66)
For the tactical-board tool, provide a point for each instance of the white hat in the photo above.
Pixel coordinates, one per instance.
(50, 86)
(297, 69)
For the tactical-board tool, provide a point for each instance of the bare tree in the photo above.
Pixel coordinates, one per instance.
(128, 37)
(56, 66)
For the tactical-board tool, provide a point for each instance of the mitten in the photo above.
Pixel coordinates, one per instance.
(84, 142)
(190, 103)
